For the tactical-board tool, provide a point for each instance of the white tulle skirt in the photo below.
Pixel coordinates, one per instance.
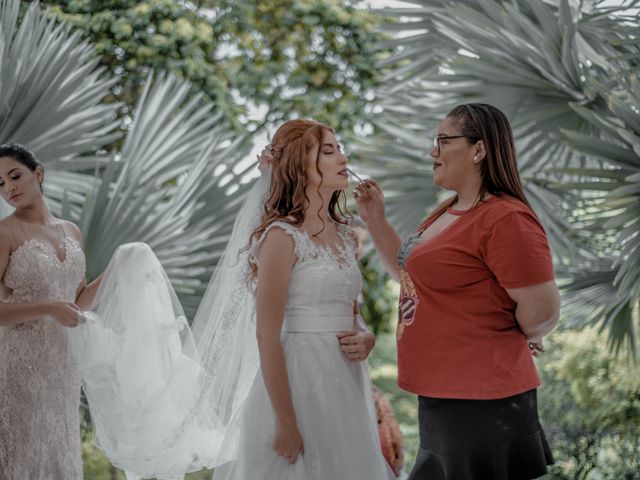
(335, 413)
(161, 410)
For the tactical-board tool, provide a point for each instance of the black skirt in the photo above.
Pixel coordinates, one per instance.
(481, 439)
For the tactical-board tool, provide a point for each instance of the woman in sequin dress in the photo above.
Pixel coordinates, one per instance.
(42, 267)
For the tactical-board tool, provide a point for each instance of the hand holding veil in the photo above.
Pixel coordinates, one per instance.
(162, 395)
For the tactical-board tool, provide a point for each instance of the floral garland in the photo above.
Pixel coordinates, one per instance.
(390, 436)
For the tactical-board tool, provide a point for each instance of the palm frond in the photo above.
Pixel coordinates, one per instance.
(164, 188)
(51, 100)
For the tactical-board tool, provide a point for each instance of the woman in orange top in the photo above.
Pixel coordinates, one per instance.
(477, 296)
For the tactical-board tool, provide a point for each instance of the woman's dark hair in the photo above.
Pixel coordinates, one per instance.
(21, 154)
(499, 169)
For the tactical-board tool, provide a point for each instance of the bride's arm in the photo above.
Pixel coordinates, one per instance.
(276, 260)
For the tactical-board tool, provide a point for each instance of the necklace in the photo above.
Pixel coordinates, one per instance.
(455, 211)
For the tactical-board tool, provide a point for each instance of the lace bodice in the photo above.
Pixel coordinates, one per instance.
(39, 375)
(324, 282)
(35, 273)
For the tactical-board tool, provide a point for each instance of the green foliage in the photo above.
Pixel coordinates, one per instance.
(590, 407)
(95, 465)
(380, 300)
(287, 57)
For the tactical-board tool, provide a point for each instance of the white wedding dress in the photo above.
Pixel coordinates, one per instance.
(331, 395)
(156, 402)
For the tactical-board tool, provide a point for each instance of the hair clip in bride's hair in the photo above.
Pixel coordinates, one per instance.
(265, 159)
(275, 150)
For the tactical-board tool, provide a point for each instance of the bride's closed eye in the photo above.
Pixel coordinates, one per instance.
(331, 151)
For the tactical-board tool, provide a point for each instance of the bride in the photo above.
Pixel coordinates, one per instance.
(270, 381)
(309, 413)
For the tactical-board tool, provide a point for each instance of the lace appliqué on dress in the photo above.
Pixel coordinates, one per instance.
(39, 375)
(321, 272)
(306, 249)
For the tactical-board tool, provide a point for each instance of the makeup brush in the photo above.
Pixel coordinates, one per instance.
(355, 174)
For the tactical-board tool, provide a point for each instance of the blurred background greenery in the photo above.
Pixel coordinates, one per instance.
(145, 113)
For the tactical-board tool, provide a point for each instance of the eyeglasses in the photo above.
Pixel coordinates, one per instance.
(439, 138)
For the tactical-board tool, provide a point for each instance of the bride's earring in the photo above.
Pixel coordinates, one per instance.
(476, 159)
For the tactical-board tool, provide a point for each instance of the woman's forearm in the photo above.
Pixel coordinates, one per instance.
(387, 243)
(86, 296)
(535, 324)
(274, 372)
(537, 308)
(16, 313)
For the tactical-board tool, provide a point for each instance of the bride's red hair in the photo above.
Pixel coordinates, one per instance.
(287, 199)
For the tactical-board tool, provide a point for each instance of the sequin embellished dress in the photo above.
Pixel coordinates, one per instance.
(39, 375)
